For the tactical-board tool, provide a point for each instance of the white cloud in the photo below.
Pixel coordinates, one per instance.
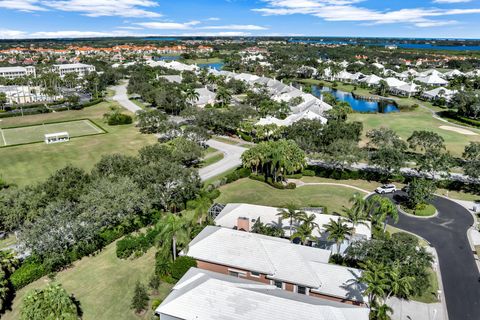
(99, 8)
(218, 34)
(22, 5)
(168, 25)
(129, 28)
(11, 34)
(212, 19)
(346, 10)
(235, 27)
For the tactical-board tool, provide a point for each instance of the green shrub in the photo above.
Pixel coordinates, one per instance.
(180, 266)
(27, 273)
(115, 119)
(156, 303)
(245, 136)
(291, 186)
(308, 173)
(237, 174)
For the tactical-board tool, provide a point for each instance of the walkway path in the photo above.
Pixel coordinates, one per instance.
(231, 159)
(447, 233)
(300, 183)
(122, 98)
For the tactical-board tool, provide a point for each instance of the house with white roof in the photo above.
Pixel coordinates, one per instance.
(291, 119)
(406, 90)
(394, 82)
(206, 295)
(437, 93)
(205, 97)
(432, 80)
(344, 76)
(453, 73)
(371, 80)
(275, 261)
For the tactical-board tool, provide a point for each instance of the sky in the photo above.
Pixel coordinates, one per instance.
(364, 18)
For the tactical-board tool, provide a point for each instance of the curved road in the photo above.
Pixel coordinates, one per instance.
(232, 153)
(447, 232)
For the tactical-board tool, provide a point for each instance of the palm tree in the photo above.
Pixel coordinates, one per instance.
(303, 232)
(174, 230)
(381, 312)
(191, 95)
(338, 231)
(376, 281)
(382, 209)
(224, 96)
(358, 213)
(400, 286)
(309, 220)
(291, 213)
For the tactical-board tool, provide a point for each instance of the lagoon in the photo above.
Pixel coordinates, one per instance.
(357, 105)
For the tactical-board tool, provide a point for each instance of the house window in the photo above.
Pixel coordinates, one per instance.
(237, 274)
(301, 290)
(255, 274)
(278, 284)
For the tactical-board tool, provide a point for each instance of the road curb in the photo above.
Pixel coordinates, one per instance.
(418, 217)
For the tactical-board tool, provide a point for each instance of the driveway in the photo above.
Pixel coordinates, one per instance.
(232, 159)
(447, 233)
(122, 98)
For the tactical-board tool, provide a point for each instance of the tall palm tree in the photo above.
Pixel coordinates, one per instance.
(291, 213)
(382, 209)
(381, 312)
(355, 217)
(338, 231)
(174, 230)
(224, 96)
(309, 220)
(191, 95)
(375, 279)
(400, 285)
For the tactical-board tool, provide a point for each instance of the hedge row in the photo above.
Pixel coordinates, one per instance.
(137, 245)
(455, 116)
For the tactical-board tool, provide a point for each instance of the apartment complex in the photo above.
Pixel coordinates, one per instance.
(79, 68)
(17, 72)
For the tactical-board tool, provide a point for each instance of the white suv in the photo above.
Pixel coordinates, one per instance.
(386, 188)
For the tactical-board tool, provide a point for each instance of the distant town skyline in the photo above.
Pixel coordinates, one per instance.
(362, 18)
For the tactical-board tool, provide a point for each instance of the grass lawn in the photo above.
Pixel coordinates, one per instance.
(211, 158)
(256, 192)
(203, 61)
(404, 123)
(428, 211)
(103, 284)
(8, 241)
(363, 184)
(29, 134)
(25, 164)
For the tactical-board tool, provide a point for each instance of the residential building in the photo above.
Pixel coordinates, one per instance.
(16, 72)
(80, 68)
(276, 261)
(206, 295)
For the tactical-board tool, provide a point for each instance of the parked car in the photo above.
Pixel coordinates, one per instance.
(386, 188)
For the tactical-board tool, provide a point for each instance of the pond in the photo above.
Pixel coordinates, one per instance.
(357, 105)
(215, 65)
(167, 58)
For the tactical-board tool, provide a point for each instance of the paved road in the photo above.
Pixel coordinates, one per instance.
(122, 98)
(231, 159)
(447, 232)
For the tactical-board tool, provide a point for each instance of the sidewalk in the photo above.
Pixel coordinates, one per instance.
(413, 310)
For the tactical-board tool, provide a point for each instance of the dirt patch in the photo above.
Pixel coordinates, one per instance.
(459, 130)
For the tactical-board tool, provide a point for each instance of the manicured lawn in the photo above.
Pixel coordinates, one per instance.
(211, 159)
(428, 211)
(103, 284)
(405, 123)
(203, 61)
(363, 184)
(36, 133)
(256, 192)
(26, 164)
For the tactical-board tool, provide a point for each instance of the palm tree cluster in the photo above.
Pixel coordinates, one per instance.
(382, 283)
(274, 159)
(301, 224)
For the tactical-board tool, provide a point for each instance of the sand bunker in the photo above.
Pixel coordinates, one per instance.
(459, 130)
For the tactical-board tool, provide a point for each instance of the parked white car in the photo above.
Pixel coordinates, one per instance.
(386, 188)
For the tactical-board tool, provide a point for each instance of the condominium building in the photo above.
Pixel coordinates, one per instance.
(80, 68)
(17, 72)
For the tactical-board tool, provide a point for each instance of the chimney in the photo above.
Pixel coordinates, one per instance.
(243, 224)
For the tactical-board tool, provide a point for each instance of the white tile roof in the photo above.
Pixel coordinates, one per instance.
(268, 215)
(277, 258)
(432, 79)
(204, 295)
